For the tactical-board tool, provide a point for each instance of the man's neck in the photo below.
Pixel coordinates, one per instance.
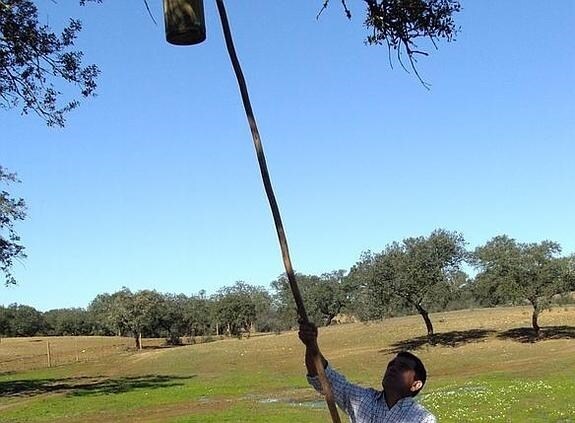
(391, 398)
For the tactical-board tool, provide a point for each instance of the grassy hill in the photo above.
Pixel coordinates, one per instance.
(484, 367)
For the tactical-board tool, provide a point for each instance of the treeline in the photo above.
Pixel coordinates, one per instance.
(417, 275)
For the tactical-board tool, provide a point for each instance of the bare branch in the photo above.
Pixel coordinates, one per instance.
(345, 9)
(325, 3)
(150, 12)
(343, 3)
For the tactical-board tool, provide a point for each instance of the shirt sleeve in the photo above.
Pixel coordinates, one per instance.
(347, 395)
(430, 418)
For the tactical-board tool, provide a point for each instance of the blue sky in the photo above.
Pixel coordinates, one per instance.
(154, 183)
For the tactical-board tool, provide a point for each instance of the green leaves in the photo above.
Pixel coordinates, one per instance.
(418, 267)
(514, 271)
(34, 60)
(236, 307)
(419, 272)
(11, 211)
(325, 296)
(520, 271)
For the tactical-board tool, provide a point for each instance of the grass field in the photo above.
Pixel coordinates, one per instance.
(484, 367)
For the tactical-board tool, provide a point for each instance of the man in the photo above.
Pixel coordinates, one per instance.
(404, 377)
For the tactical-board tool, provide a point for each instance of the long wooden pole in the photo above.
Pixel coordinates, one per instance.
(326, 387)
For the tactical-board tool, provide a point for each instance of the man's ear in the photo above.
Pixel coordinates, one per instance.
(416, 386)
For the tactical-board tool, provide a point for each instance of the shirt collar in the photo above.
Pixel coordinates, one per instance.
(402, 403)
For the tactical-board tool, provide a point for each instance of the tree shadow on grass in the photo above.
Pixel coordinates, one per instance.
(454, 338)
(159, 347)
(528, 335)
(84, 386)
(163, 346)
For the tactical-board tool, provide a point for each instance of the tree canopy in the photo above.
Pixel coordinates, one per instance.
(325, 296)
(515, 271)
(37, 63)
(11, 210)
(418, 272)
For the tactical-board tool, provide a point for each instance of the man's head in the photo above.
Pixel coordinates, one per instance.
(405, 375)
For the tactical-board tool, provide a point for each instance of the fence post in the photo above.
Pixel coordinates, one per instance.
(48, 353)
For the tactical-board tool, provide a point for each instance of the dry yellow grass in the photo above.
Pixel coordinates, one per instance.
(18, 354)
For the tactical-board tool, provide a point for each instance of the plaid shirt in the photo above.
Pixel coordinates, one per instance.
(366, 405)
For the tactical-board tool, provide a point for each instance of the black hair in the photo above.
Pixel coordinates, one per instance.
(420, 372)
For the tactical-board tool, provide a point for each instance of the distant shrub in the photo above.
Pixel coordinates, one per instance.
(174, 340)
(207, 338)
(564, 299)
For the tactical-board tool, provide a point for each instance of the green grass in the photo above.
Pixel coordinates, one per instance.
(502, 399)
(476, 377)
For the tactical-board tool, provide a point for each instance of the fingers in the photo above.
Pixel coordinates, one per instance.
(307, 333)
(307, 325)
(308, 330)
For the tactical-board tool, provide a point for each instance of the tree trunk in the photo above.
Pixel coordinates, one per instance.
(426, 319)
(534, 318)
(138, 339)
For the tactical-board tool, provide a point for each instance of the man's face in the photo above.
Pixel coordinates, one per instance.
(400, 377)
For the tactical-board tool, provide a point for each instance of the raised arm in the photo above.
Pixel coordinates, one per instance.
(308, 335)
(347, 395)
